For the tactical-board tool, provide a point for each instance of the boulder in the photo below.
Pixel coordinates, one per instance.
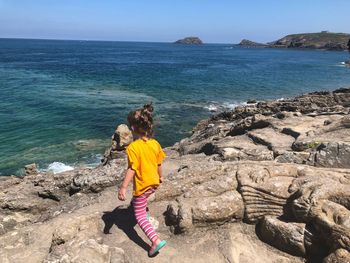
(294, 238)
(286, 236)
(121, 138)
(201, 211)
(31, 169)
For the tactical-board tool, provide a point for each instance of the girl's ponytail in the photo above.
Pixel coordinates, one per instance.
(148, 109)
(142, 120)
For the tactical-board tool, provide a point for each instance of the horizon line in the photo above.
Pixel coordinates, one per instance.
(103, 40)
(166, 42)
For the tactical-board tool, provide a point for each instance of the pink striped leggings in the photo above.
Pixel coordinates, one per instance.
(140, 205)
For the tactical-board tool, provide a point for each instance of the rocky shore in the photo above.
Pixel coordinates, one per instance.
(323, 40)
(266, 182)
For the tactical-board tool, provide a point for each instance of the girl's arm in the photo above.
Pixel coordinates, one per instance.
(130, 173)
(160, 173)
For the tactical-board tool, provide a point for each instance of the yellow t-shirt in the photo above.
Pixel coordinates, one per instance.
(144, 158)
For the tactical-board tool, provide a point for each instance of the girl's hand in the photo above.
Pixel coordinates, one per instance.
(161, 179)
(122, 194)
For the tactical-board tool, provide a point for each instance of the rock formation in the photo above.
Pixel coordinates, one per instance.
(248, 43)
(323, 40)
(274, 172)
(189, 41)
(121, 138)
(31, 169)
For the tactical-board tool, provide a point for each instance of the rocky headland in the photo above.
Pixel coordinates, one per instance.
(189, 41)
(247, 43)
(266, 182)
(323, 40)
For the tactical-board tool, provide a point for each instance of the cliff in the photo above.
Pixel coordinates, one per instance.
(189, 41)
(266, 182)
(324, 40)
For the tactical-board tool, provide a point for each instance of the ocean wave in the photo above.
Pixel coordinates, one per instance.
(211, 108)
(89, 161)
(36, 53)
(216, 107)
(58, 167)
(232, 106)
(341, 64)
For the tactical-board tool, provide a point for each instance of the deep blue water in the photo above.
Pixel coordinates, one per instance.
(61, 100)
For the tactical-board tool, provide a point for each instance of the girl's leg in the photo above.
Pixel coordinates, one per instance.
(140, 205)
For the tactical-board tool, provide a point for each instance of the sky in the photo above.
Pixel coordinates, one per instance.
(214, 21)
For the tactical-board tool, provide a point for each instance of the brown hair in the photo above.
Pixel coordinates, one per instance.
(142, 121)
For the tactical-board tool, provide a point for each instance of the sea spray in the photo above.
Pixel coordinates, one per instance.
(58, 167)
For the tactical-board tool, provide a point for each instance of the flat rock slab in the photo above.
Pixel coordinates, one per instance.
(303, 124)
(241, 147)
(274, 140)
(335, 155)
(245, 248)
(181, 175)
(334, 130)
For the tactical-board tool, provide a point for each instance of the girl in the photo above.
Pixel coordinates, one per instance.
(145, 157)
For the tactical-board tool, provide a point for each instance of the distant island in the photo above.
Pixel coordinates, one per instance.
(248, 43)
(189, 41)
(323, 40)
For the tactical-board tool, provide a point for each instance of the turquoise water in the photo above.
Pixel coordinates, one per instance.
(61, 100)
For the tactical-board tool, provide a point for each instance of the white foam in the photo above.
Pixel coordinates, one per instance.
(231, 106)
(57, 167)
(211, 108)
(215, 107)
(342, 63)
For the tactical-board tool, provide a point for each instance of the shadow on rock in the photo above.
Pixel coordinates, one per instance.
(123, 217)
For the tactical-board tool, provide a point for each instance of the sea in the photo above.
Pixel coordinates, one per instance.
(60, 101)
